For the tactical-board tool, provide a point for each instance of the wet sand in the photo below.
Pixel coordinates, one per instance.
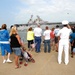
(45, 64)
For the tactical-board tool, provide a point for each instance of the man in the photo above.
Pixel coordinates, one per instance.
(72, 38)
(64, 42)
(56, 30)
(37, 34)
(46, 35)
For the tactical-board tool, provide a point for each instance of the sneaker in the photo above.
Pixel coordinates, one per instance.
(4, 61)
(66, 63)
(59, 62)
(8, 60)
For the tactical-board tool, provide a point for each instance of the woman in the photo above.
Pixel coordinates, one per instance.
(4, 41)
(52, 35)
(16, 43)
(30, 37)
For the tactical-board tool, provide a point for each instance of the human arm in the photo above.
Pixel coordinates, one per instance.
(19, 40)
(68, 26)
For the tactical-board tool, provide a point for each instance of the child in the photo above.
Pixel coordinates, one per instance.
(73, 45)
(27, 56)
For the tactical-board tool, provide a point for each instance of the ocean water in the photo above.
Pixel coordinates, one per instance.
(23, 35)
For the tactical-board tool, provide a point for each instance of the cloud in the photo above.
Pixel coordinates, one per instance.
(51, 10)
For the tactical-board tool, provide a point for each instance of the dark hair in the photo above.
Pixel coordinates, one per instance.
(4, 26)
(46, 27)
(57, 26)
(73, 29)
(30, 29)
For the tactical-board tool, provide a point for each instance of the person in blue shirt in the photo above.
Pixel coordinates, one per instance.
(72, 37)
(0, 45)
(5, 44)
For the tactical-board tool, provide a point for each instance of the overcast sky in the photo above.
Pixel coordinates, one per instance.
(19, 11)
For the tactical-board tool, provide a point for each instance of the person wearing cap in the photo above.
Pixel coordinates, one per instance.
(63, 35)
(37, 34)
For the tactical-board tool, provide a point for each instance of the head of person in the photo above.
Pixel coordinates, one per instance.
(30, 29)
(57, 26)
(73, 29)
(52, 29)
(65, 23)
(13, 30)
(46, 27)
(38, 25)
(4, 26)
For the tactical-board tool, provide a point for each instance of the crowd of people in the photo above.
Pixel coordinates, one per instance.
(57, 39)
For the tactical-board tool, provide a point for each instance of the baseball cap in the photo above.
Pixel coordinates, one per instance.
(65, 22)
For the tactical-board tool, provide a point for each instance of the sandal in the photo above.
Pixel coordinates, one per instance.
(21, 62)
(33, 60)
(25, 64)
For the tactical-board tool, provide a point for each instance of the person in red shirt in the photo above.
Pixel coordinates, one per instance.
(52, 38)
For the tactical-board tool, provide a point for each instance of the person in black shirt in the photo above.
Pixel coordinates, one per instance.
(16, 44)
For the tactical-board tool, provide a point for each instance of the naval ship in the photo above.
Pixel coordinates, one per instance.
(33, 23)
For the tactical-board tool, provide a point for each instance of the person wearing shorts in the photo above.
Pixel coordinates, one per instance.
(5, 44)
(30, 38)
(56, 37)
(16, 44)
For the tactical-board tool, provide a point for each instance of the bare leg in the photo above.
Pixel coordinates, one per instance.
(16, 62)
(8, 55)
(56, 47)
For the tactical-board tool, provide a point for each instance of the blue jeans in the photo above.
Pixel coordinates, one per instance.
(17, 51)
(38, 43)
(47, 46)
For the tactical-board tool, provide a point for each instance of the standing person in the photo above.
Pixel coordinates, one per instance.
(52, 40)
(72, 37)
(16, 43)
(4, 41)
(30, 37)
(73, 47)
(46, 35)
(64, 42)
(0, 45)
(56, 30)
(37, 34)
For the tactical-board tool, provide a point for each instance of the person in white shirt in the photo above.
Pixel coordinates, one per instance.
(56, 30)
(64, 42)
(46, 35)
(37, 34)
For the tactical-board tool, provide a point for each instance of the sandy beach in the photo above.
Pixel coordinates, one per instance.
(45, 64)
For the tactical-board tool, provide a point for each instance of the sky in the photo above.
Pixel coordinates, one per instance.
(19, 11)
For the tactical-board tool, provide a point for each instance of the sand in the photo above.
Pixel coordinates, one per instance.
(45, 64)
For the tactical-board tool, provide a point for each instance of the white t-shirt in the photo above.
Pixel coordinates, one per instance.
(64, 33)
(56, 31)
(37, 31)
(46, 34)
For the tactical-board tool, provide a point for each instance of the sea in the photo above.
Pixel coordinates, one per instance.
(23, 35)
